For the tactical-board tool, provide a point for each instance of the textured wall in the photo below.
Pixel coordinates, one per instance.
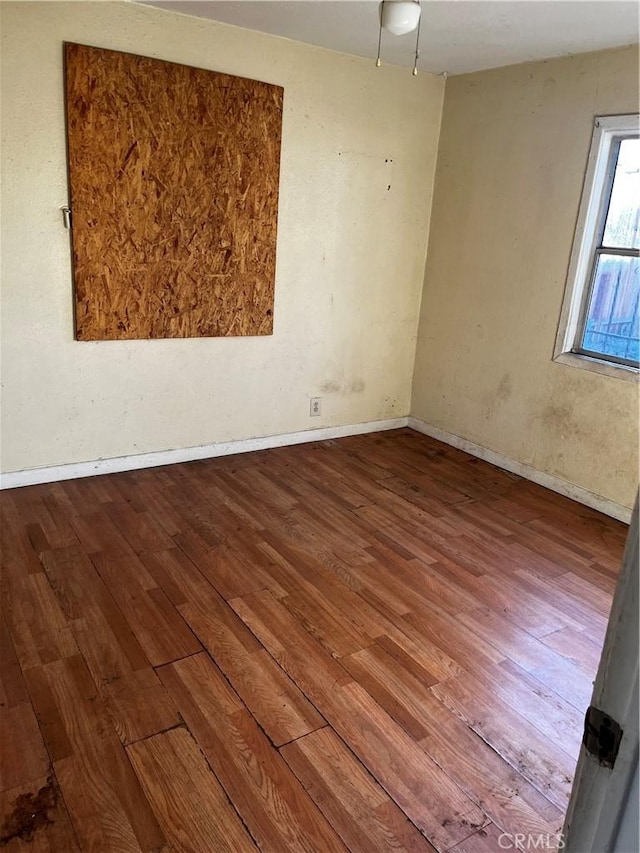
(513, 152)
(358, 158)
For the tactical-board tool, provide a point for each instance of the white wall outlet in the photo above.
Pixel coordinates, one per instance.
(315, 407)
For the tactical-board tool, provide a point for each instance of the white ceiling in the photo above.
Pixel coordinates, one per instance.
(456, 36)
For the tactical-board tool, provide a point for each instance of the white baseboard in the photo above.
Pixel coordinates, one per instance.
(73, 470)
(562, 487)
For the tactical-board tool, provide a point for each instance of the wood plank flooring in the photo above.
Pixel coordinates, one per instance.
(371, 644)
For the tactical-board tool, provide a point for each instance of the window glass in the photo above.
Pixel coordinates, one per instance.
(622, 229)
(612, 324)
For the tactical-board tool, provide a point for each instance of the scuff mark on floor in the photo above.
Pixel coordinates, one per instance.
(30, 813)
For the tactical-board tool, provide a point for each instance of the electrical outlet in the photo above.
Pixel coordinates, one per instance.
(315, 407)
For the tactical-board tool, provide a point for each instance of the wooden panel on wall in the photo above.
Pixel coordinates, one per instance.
(174, 195)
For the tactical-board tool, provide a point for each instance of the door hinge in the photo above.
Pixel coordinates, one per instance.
(602, 736)
(66, 216)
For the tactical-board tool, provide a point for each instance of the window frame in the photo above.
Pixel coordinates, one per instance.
(594, 205)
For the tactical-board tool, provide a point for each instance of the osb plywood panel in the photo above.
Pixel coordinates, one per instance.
(174, 194)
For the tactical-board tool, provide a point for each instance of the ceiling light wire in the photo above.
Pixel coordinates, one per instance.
(415, 61)
(378, 63)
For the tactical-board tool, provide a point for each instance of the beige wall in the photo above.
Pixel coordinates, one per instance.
(350, 258)
(512, 158)
(358, 157)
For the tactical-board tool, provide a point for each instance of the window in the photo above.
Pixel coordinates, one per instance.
(600, 326)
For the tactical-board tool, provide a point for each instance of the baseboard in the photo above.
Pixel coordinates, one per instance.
(562, 487)
(71, 471)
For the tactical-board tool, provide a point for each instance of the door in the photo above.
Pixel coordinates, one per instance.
(603, 808)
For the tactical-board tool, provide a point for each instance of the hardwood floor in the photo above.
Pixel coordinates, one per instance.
(370, 644)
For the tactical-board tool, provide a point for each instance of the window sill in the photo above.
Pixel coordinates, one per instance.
(596, 365)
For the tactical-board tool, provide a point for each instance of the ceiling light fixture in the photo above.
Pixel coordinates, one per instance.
(400, 17)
